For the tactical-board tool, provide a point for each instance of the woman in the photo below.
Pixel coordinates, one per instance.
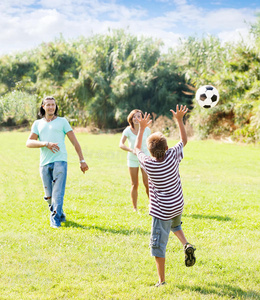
(130, 134)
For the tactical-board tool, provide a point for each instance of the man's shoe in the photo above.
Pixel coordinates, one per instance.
(63, 217)
(55, 226)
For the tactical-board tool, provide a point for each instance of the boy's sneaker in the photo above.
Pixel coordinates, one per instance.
(190, 258)
(159, 284)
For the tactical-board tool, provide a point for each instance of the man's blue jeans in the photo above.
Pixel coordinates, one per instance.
(54, 177)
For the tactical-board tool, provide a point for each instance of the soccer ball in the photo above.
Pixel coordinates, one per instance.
(207, 96)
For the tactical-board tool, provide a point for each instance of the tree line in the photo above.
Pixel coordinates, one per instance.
(98, 80)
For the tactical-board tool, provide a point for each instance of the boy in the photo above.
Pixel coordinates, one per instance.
(165, 190)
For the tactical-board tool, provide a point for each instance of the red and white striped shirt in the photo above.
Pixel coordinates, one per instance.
(165, 190)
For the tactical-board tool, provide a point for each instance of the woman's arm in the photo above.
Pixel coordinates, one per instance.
(123, 146)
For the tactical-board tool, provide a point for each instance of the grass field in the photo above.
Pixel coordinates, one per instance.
(102, 251)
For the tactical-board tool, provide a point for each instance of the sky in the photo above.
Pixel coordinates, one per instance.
(25, 24)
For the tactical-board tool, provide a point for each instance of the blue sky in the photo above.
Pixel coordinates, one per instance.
(25, 24)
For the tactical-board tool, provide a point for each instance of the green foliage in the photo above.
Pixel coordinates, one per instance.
(17, 108)
(57, 62)
(99, 80)
(234, 70)
(255, 30)
(255, 121)
(124, 73)
(15, 69)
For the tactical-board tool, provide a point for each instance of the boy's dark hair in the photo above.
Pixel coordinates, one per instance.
(157, 145)
(42, 111)
(131, 115)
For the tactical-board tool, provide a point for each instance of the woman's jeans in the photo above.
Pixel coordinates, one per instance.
(54, 182)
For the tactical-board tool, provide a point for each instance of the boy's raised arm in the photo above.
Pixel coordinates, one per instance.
(179, 114)
(143, 123)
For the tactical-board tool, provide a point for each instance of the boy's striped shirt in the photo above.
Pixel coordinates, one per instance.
(165, 190)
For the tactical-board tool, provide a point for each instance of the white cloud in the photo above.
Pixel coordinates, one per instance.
(227, 19)
(25, 24)
(235, 36)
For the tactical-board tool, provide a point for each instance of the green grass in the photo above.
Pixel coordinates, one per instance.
(102, 251)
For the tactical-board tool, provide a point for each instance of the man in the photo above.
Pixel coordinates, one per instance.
(49, 133)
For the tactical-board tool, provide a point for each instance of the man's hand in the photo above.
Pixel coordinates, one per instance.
(179, 112)
(53, 147)
(84, 167)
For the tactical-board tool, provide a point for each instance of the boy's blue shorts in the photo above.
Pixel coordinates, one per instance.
(160, 234)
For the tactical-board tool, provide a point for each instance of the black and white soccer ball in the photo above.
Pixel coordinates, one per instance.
(207, 96)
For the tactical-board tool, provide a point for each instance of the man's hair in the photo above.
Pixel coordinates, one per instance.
(131, 115)
(157, 145)
(42, 111)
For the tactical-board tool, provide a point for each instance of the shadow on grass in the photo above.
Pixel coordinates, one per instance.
(218, 218)
(110, 230)
(222, 290)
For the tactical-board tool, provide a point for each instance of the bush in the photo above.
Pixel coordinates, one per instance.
(164, 125)
(17, 108)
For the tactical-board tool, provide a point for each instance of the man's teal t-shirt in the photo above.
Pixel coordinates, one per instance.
(53, 132)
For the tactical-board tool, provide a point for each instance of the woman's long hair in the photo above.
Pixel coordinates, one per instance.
(42, 111)
(131, 115)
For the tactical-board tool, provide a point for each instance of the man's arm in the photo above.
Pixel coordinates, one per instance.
(33, 142)
(179, 114)
(75, 143)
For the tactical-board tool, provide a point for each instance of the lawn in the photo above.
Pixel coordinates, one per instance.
(102, 251)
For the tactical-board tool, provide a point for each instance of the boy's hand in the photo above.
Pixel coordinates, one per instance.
(179, 117)
(144, 121)
(133, 151)
(179, 112)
